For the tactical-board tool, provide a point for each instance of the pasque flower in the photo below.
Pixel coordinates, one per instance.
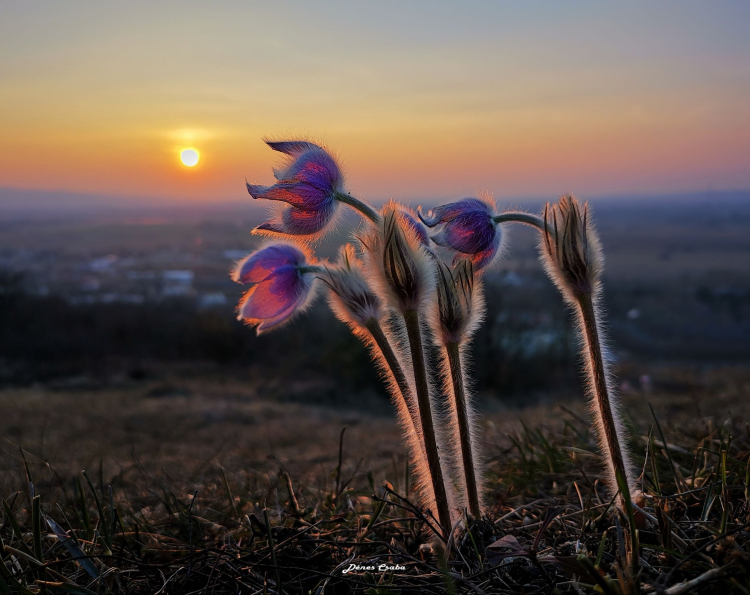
(355, 303)
(282, 281)
(401, 269)
(403, 273)
(468, 227)
(458, 310)
(572, 253)
(459, 307)
(351, 298)
(308, 183)
(573, 258)
(311, 184)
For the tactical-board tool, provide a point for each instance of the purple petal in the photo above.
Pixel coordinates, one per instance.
(317, 168)
(483, 258)
(291, 147)
(280, 291)
(296, 222)
(259, 266)
(298, 194)
(308, 183)
(283, 317)
(470, 232)
(255, 190)
(446, 213)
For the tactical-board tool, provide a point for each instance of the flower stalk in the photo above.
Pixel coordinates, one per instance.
(573, 259)
(394, 366)
(599, 386)
(355, 303)
(414, 333)
(453, 351)
(358, 205)
(520, 217)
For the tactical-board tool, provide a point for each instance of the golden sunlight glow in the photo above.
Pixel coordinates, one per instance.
(190, 157)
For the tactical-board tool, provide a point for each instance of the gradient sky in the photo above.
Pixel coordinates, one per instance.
(419, 99)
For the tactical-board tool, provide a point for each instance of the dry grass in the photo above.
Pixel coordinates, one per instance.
(159, 445)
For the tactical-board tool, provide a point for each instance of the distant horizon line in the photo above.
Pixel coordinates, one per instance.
(20, 200)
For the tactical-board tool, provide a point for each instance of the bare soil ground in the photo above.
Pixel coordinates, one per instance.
(205, 486)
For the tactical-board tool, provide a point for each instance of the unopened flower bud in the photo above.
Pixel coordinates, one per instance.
(351, 298)
(459, 305)
(399, 260)
(571, 249)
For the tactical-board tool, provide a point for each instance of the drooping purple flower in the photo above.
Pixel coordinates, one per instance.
(467, 227)
(281, 279)
(308, 183)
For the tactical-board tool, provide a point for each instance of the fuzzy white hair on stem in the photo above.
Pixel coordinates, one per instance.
(402, 273)
(356, 304)
(456, 314)
(572, 256)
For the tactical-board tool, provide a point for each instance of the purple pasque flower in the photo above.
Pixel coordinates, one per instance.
(308, 184)
(282, 281)
(467, 226)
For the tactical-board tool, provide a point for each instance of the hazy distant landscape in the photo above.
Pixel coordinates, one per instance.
(131, 293)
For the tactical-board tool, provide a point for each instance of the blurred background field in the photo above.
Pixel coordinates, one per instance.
(90, 297)
(119, 344)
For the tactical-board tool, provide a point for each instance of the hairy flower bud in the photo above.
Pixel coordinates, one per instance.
(351, 298)
(416, 225)
(459, 305)
(397, 258)
(571, 249)
(282, 282)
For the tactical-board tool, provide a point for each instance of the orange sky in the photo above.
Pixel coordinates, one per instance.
(430, 100)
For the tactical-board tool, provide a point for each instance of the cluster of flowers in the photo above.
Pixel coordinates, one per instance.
(414, 279)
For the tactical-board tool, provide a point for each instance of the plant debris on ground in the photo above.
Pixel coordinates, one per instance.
(551, 527)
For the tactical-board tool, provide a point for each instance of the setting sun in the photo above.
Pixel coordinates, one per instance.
(190, 157)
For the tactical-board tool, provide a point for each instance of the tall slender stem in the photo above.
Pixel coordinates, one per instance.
(394, 366)
(520, 217)
(411, 318)
(601, 390)
(359, 205)
(464, 431)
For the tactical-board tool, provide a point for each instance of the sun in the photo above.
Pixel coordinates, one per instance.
(190, 157)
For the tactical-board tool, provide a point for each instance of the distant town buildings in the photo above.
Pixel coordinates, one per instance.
(126, 278)
(177, 283)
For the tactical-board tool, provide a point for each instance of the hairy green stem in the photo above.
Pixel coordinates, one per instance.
(393, 365)
(359, 205)
(520, 217)
(598, 379)
(411, 319)
(467, 452)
